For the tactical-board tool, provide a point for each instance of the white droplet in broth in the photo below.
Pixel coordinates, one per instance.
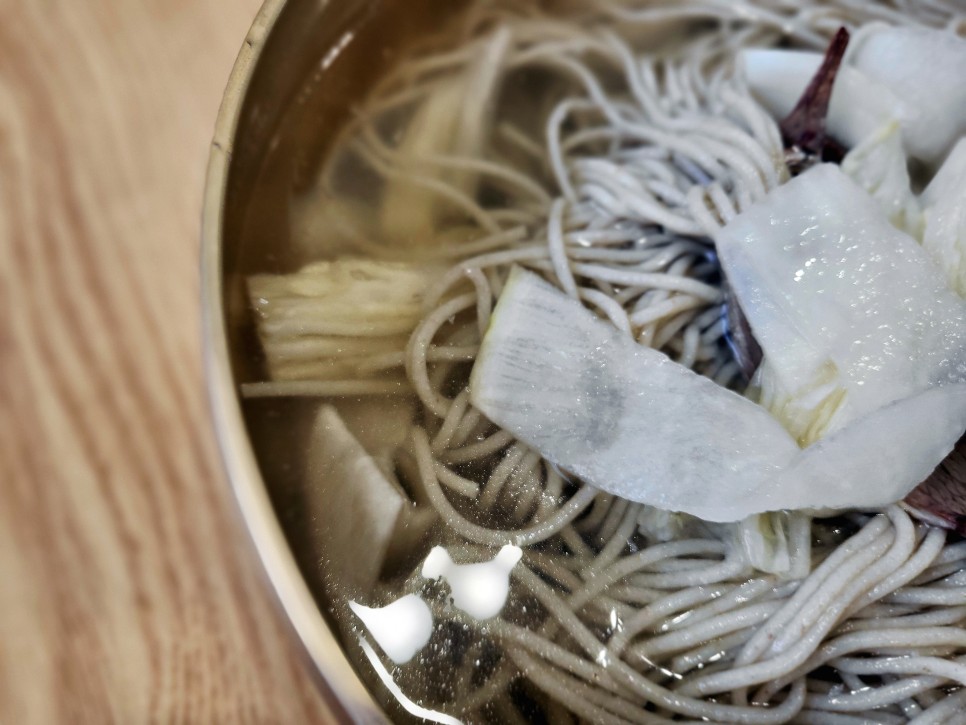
(401, 629)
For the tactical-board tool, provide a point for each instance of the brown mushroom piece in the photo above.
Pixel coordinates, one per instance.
(804, 130)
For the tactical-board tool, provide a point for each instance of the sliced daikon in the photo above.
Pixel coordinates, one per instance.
(879, 165)
(336, 320)
(381, 424)
(662, 525)
(630, 421)
(362, 519)
(944, 235)
(453, 121)
(323, 223)
(877, 459)
(859, 106)
(850, 312)
(401, 628)
(623, 417)
(926, 69)
(778, 542)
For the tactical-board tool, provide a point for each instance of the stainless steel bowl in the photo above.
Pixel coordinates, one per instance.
(305, 60)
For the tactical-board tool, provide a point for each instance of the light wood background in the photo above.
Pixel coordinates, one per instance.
(128, 592)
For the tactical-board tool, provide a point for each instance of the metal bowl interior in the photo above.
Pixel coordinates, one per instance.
(299, 71)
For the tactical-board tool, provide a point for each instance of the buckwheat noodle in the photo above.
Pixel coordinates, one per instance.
(608, 182)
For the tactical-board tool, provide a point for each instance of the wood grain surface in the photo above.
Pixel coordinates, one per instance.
(128, 592)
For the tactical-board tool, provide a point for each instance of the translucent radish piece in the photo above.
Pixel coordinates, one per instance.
(628, 420)
(778, 542)
(622, 417)
(925, 68)
(879, 165)
(944, 235)
(877, 459)
(480, 590)
(859, 106)
(381, 424)
(351, 500)
(401, 629)
(849, 311)
(660, 525)
(454, 121)
(941, 498)
(322, 224)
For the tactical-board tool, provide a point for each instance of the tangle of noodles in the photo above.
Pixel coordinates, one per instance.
(620, 139)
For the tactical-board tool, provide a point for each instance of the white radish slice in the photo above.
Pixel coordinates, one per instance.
(454, 120)
(877, 459)
(944, 235)
(331, 319)
(926, 68)
(847, 308)
(879, 165)
(778, 542)
(362, 518)
(850, 312)
(380, 423)
(858, 108)
(324, 222)
(622, 417)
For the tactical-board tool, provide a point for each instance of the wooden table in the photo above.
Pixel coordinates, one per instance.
(128, 591)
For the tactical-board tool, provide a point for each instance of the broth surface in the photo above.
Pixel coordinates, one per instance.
(613, 611)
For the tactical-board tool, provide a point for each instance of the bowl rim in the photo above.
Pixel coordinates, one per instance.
(346, 694)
